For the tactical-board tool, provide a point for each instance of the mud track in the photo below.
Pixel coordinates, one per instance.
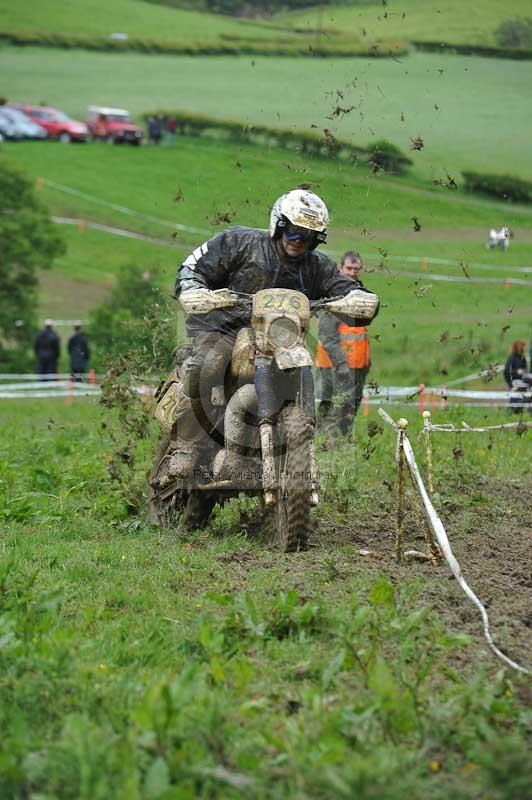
(494, 549)
(493, 546)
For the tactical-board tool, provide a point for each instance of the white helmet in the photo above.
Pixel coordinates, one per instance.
(303, 208)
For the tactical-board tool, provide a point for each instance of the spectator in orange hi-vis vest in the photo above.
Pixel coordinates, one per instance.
(342, 361)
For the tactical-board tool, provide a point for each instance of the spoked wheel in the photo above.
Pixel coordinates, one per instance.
(166, 497)
(292, 503)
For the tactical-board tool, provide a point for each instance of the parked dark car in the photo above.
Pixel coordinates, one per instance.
(57, 124)
(8, 129)
(113, 125)
(22, 125)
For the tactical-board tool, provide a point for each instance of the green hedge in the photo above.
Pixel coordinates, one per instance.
(505, 187)
(341, 47)
(320, 143)
(518, 54)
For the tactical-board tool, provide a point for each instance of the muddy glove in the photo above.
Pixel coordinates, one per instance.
(357, 303)
(201, 301)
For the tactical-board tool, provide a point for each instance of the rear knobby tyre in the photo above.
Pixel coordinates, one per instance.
(292, 504)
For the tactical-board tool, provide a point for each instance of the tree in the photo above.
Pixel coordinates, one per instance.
(29, 243)
(137, 322)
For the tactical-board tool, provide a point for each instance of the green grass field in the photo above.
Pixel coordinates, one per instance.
(449, 21)
(134, 17)
(141, 664)
(481, 316)
(443, 100)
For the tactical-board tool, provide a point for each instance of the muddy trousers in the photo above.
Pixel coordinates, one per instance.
(196, 422)
(339, 397)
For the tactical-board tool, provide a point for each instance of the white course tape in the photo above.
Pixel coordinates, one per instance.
(60, 187)
(449, 428)
(443, 541)
(448, 262)
(115, 231)
(44, 395)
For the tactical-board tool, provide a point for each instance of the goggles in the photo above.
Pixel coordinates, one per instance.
(297, 233)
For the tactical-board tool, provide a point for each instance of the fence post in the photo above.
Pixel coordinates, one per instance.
(421, 403)
(365, 404)
(70, 391)
(399, 546)
(92, 377)
(428, 445)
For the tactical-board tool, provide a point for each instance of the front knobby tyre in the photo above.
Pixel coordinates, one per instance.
(292, 504)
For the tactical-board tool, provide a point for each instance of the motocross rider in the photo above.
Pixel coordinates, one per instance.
(247, 260)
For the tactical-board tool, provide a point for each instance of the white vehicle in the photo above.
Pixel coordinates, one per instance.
(113, 125)
(499, 237)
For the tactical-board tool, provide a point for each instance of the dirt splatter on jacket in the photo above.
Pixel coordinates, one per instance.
(245, 260)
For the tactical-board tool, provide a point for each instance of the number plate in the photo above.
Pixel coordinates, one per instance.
(280, 301)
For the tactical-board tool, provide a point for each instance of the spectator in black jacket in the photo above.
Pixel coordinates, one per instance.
(47, 348)
(79, 352)
(515, 365)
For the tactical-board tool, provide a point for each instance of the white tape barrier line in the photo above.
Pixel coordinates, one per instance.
(79, 390)
(115, 231)
(375, 401)
(384, 395)
(466, 429)
(44, 385)
(60, 187)
(433, 276)
(37, 376)
(411, 390)
(45, 395)
(449, 263)
(392, 392)
(443, 541)
(484, 373)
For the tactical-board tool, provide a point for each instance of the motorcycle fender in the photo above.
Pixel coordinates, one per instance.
(292, 358)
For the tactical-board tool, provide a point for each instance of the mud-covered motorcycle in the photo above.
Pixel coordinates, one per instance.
(260, 425)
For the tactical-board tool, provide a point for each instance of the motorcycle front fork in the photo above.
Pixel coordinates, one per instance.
(269, 481)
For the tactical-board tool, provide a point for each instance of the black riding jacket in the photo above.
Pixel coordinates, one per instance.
(245, 260)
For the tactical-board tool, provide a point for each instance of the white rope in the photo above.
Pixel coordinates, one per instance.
(443, 541)
(122, 209)
(450, 428)
(115, 231)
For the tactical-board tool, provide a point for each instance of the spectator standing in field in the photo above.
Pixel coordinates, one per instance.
(79, 352)
(171, 128)
(342, 360)
(514, 370)
(47, 348)
(515, 365)
(155, 129)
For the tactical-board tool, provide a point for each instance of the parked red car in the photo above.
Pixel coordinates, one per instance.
(57, 124)
(113, 125)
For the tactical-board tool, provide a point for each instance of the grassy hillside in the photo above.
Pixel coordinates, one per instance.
(443, 100)
(134, 17)
(143, 664)
(370, 213)
(451, 21)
